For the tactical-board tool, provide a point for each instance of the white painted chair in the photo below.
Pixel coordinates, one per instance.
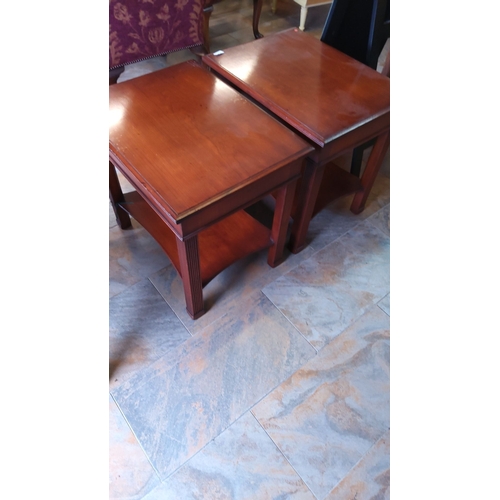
(304, 5)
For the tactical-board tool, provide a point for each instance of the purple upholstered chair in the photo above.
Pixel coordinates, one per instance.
(141, 29)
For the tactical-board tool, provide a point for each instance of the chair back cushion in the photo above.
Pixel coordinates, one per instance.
(140, 29)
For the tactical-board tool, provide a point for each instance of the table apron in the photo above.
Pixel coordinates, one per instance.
(238, 200)
(221, 208)
(350, 140)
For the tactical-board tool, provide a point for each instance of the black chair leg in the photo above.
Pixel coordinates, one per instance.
(357, 158)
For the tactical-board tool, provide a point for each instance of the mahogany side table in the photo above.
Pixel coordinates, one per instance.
(198, 153)
(334, 101)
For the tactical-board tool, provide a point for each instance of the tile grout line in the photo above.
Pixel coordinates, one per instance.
(315, 253)
(203, 447)
(284, 456)
(171, 349)
(385, 312)
(359, 461)
(166, 302)
(137, 439)
(170, 437)
(289, 321)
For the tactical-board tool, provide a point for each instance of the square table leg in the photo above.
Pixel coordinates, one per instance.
(282, 212)
(309, 188)
(311, 182)
(372, 167)
(189, 262)
(116, 197)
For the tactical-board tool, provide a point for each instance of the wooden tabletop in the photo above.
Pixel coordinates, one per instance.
(318, 90)
(186, 139)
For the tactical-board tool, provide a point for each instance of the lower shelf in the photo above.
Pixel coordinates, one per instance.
(220, 245)
(336, 183)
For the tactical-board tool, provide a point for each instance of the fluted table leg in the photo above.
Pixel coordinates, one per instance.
(189, 260)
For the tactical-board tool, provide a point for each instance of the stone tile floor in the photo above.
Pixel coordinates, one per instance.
(281, 390)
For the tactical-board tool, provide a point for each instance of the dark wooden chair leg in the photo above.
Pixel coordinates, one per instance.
(309, 188)
(257, 8)
(282, 211)
(116, 197)
(189, 261)
(207, 12)
(372, 167)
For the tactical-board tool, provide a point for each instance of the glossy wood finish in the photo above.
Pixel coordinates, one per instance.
(359, 28)
(197, 153)
(331, 99)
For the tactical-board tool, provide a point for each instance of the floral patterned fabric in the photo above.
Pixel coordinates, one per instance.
(140, 29)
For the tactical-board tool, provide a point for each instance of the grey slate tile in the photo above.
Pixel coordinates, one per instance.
(330, 412)
(131, 476)
(369, 479)
(142, 329)
(133, 255)
(188, 397)
(242, 463)
(327, 292)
